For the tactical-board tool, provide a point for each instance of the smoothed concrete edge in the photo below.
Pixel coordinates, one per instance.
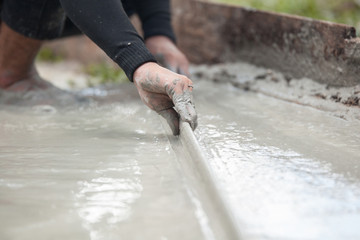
(198, 171)
(191, 144)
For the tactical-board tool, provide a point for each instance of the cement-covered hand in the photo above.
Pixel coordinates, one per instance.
(167, 93)
(167, 54)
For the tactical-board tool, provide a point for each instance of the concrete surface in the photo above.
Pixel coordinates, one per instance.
(288, 171)
(341, 102)
(284, 170)
(105, 171)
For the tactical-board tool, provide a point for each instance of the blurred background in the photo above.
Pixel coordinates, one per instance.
(97, 68)
(341, 11)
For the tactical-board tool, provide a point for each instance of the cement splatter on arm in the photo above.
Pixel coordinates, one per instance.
(167, 93)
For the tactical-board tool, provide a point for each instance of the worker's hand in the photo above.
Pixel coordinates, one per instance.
(167, 93)
(167, 54)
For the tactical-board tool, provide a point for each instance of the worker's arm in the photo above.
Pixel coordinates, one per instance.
(155, 17)
(159, 36)
(106, 23)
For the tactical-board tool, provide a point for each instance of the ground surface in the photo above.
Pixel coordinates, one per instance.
(289, 171)
(106, 169)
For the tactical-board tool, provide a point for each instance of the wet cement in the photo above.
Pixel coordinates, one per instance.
(342, 102)
(104, 171)
(288, 171)
(108, 171)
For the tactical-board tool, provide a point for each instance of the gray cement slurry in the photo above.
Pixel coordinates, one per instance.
(342, 102)
(102, 172)
(288, 171)
(108, 169)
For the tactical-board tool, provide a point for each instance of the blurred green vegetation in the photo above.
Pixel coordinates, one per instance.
(47, 55)
(341, 11)
(104, 73)
(99, 73)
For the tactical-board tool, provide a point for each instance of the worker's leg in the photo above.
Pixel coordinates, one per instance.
(21, 35)
(17, 54)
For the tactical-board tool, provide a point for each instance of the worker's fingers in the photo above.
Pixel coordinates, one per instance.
(160, 58)
(158, 102)
(178, 65)
(183, 71)
(185, 107)
(171, 68)
(183, 67)
(181, 94)
(172, 118)
(162, 89)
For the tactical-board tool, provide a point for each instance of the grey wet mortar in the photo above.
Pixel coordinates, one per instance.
(341, 102)
(98, 171)
(52, 96)
(290, 172)
(253, 132)
(285, 166)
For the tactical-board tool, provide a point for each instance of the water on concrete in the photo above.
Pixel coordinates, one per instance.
(288, 171)
(105, 171)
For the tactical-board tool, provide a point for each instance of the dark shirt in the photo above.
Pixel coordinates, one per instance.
(108, 25)
(104, 21)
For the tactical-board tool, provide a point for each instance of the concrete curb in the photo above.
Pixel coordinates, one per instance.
(296, 46)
